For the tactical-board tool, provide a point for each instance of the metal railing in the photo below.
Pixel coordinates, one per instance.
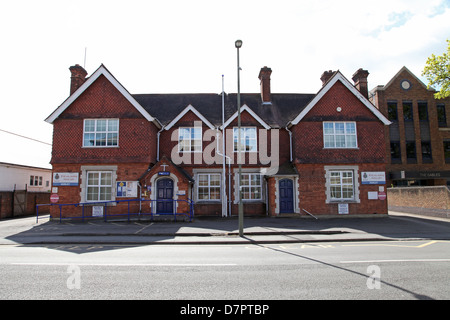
(129, 214)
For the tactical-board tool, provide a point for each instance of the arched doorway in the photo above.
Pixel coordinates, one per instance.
(164, 196)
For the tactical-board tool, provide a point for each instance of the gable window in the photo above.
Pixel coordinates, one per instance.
(209, 186)
(99, 186)
(248, 141)
(101, 133)
(251, 184)
(339, 135)
(190, 139)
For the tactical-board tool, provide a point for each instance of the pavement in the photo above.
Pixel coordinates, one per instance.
(395, 226)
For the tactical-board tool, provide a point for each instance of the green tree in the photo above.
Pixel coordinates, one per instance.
(437, 72)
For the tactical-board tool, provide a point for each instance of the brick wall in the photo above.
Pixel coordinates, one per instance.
(137, 137)
(417, 93)
(31, 200)
(437, 197)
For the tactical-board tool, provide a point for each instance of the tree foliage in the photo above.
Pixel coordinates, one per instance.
(437, 72)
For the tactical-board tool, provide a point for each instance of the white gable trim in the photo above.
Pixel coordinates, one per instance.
(186, 110)
(100, 71)
(339, 77)
(253, 114)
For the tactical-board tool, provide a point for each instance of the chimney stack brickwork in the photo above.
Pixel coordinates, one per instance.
(264, 76)
(360, 79)
(78, 77)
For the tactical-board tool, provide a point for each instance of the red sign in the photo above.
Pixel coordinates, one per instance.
(382, 195)
(54, 198)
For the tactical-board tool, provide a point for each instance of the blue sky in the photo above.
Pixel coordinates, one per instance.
(185, 46)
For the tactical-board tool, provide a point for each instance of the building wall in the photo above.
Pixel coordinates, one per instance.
(17, 177)
(137, 137)
(311, 158)
(416, 130)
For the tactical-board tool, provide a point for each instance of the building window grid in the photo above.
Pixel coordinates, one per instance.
(190, 139)
(99, 186)
(35, 181)
(251, 185)
(209, 186)
(248, 141)
(441, 115)
(101, 133)
(339, 135)
(341, 185)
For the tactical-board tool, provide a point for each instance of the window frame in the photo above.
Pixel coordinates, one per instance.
(345, 135)
(341, 185)
(99, 185)
(251, 147)
(96, 132)
(190, 140)
(328, 184)
(209, 186)
(250, 185)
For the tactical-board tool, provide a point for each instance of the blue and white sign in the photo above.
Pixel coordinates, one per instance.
(127, 189)
(65, 178)
(373, 177)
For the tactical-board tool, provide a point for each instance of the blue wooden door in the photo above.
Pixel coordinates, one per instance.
(286, 190)
(165, 192)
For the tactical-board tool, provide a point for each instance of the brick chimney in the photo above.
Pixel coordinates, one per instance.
(360, 79)
(264, 76)
(326, 75)
(78, 77)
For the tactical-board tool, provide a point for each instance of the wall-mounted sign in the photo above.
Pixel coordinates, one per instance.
(164, 173)
(343, 208)
(127, 189)
(373, 177)
(97, 211)
(65, 178)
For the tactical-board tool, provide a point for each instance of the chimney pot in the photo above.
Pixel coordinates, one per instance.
(360, 79)
(264, 76)
(326, 75)
(78, 77)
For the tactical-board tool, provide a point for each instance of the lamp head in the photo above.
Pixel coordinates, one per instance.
(238, 43)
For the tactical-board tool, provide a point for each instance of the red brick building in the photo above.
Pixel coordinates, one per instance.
(418, 140)
(319, 153)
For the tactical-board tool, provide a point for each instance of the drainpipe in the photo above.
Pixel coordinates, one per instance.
(157, 139)
(225, 157)
(290, 143)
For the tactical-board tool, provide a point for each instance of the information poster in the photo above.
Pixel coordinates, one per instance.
(128, 189)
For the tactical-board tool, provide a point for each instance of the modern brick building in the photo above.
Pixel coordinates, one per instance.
(319, 153)
(418, 140)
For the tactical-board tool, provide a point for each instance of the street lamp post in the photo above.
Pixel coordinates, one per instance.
(238, 45)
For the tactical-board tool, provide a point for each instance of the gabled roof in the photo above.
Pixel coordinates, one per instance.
(186, 110)
(105, 72)
(404, 69)
(166, 107)
(253, 114)
(338, 76)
